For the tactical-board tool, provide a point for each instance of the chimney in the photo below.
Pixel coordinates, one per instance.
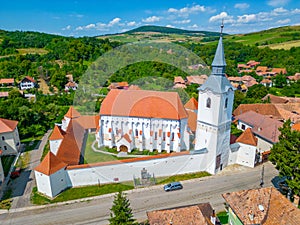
(213, 218)
(251, 215)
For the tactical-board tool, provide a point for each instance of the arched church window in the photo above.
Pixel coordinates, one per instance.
(208, 103)
(136, 132)
(226, 103)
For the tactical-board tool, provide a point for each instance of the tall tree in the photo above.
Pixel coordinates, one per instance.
(121, 213)
(285, 154)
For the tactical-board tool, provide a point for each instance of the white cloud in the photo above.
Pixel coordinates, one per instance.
(131, 24)
(90, 26)
(295, 11)
(151, 19)
(114, 22)
(171, 26)
(241, 6)
(184, 12)
(246, 18)
(280, 10)
(276, 3)
(283, 21)
(195, 26)
(182, 21)
(222, 15)
(67, 27)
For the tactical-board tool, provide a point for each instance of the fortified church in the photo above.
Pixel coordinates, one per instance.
(152, 120)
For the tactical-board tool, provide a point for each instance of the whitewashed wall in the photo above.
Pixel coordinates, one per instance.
(263, 145)
(126, 171)
(246, 155)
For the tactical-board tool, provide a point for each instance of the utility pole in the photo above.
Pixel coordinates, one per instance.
(262, 177)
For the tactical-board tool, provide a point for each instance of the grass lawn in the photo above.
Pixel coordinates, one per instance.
(6, 200)
(181, 177)
(6, 163)
(80, 192)
(45, 151)
(223, 217)
(90, 156)
(25, 51)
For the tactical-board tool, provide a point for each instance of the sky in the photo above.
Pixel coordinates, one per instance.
(92, 17)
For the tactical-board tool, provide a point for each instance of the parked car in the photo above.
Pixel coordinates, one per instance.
(15, 173)
(173, 186)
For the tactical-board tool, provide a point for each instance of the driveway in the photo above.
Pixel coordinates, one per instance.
(22, 186)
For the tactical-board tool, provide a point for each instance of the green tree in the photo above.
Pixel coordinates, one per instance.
(121, 213)
(285, 154)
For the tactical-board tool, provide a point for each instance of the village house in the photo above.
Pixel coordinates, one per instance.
(263, 127)
(196, 79)
(27, 83)
(9, 137)
(179, 82)
(118, 85)
(7, 82)
(71, 85)
(201, 213)
(295, 78)
(265, 206)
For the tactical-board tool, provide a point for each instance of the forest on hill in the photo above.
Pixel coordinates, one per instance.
(52, 57)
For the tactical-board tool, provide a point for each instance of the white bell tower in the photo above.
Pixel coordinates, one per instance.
(214, 115)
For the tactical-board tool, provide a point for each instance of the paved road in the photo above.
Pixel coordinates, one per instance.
(96, 211)
(22, 186)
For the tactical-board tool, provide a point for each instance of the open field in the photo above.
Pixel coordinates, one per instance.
(25, 51)
(286, 45)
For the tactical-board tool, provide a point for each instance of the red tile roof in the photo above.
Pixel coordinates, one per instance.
(7, 80)
(296, 127)
(192, 120)
(69, 150)
(50, 164)
(191, 104)
(267, 205)
(72, 113)
(7, 125)
(134, 87)
(139, 103)
(127, 138)
(262, 69)
(196, 79)
(57, 134)
(263, 109)
(247, 137)
(88, 122)
(274, 99)
(192, 215)
(279, 70)
(179, 80)
(29, 79)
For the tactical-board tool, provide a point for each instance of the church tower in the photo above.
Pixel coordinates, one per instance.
(214, 115)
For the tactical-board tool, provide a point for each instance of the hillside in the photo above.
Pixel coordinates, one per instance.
(169, 30)
(276, 38)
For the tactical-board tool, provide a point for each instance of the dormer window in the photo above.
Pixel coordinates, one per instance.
(208, 103)
(226, 103)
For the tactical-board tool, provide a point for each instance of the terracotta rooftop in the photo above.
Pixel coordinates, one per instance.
(50, 164)
(134, 87)
(191, 104)
(263, 109)
(3, 94)
(184, 215)
(118, 85)
(262, 126)
(196, 79)
(7, 80)
(57, 133)
(262, 69)
(247, 137)
(72, 113)
(267, 205)
(7, 125)
(88, 122)
(29, 79)
(192, 120)
(179, 85)
(69, 150)
(140, 103)
(71, 84)
(279, 70)
(296, 127)
(179, 80)
(274, 99)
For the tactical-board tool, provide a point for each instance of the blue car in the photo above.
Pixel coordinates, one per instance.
(173, 186)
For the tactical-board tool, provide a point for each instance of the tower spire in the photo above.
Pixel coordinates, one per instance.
(219, 64)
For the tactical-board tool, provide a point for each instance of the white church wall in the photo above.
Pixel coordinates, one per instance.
(43, 183)
(126, 171)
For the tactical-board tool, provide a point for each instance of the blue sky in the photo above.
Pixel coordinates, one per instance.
(92, 17)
